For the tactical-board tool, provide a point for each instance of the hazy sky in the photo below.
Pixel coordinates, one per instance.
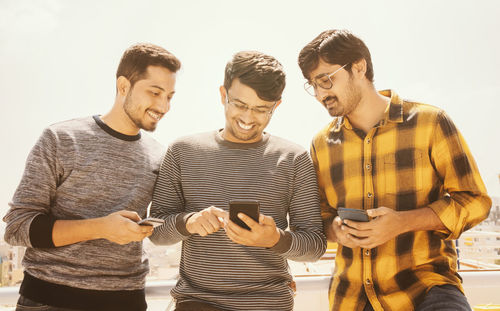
(58, 61)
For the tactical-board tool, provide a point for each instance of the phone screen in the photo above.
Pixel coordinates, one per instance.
(251, 208)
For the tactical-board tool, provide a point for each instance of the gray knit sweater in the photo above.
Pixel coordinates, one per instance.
(83, 169)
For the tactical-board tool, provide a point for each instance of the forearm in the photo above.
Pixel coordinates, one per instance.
(421, 219)
(67, 232)
(307, 245)
(173, 231)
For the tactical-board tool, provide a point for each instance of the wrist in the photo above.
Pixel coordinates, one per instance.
(97, 228)
(187, 219)
(275, 239)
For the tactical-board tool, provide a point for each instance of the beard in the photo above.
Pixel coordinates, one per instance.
(243, 137)
(345, 106)
(135, 115)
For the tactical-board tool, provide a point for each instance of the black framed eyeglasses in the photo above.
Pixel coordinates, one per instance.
(242, 107)
(324, 81)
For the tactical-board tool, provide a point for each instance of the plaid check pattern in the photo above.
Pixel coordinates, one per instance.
(414, 157)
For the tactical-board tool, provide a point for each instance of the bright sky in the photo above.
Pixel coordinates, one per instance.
(58, 61)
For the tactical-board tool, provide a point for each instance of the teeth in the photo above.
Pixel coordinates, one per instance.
(244, 126)
(154, 115)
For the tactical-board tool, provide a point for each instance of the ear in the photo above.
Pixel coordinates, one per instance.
(223, 93)
(359, 68)
(123, 85)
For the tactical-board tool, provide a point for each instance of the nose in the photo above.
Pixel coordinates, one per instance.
(247, 116)
(164, 105)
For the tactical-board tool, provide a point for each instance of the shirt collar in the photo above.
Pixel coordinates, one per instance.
(393, 113)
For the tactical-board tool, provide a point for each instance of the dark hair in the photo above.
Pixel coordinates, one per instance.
(335, 47)
(263, 73)
(138, 57)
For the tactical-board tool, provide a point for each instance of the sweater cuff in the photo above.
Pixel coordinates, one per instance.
(284, 243)
(180, 223)
(41, 231)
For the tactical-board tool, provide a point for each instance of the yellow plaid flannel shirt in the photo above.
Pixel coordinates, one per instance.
(414, 157)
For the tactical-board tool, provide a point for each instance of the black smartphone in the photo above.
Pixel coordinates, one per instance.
(251, 208)
(353, 214)
(150, 221)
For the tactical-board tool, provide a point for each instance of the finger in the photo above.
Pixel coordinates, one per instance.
(337, 221)
(356, 232)
(353, 241)
(207, 226)
(215, 222)
(218, 212)
(201, 230)
(365, 243)
(267, 221)
(248, 221)
(377, 211)
(236, 228)
(146, 228)
(234, 236)
(130, 215)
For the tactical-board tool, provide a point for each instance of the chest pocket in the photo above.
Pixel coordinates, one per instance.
(403, 172)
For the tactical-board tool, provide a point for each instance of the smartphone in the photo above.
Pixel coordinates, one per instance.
(251, 208)
(353, 214)
(150, 221)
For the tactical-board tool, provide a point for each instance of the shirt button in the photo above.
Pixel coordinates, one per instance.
(368, 140)
(367, 252)
(369, 194)
(368, 282)
(368, 167)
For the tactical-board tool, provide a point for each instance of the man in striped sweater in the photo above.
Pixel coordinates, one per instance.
(223, 266)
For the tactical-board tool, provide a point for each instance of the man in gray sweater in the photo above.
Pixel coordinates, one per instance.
(224, 266)
(86, 183)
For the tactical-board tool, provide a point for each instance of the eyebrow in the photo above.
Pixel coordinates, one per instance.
(158, 87)
(261, 106)
(321, 75)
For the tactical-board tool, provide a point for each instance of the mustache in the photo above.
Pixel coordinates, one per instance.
(328, 99)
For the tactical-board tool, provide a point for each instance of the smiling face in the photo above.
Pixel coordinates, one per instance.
(148, 100)
(344, 96)
(246, 114)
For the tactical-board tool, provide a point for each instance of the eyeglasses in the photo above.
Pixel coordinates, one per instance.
(261, 111)
(324, 81)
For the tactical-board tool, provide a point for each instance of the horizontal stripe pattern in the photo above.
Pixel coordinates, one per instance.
(204, 170)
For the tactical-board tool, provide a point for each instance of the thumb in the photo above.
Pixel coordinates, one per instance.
(377, 211)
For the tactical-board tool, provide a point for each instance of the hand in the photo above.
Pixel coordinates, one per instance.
(263, 233)
(342, 236)
(207, 221)
(121, 227)
(385, 225)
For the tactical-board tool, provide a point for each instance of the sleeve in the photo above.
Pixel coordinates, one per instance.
(29, 220)
(168, 203)
(308, 243)
(465, 203)
(328, 213)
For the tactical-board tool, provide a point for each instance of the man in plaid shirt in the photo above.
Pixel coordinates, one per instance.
(408, 166)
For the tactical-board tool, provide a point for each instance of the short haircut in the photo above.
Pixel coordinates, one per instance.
(138, 57)
(261, 72)
(335, 46)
